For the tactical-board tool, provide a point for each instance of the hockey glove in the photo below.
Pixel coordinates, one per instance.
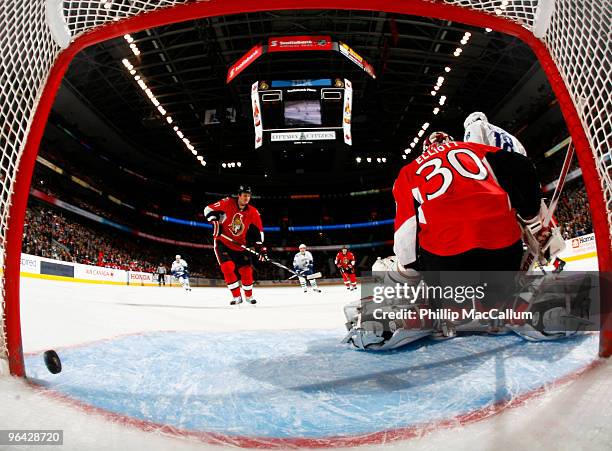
(213, 216)
(262, 251)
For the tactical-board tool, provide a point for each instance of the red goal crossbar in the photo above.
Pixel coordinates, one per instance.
(200, 9)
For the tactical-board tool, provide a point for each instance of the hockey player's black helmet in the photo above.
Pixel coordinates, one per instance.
(244, 189)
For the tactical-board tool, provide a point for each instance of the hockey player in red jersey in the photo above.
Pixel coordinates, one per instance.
(236, 219)
(461, 201)
(345, 261)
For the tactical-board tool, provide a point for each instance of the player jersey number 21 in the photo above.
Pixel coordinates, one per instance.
(439, 170)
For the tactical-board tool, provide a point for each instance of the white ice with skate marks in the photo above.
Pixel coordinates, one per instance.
(290, 380)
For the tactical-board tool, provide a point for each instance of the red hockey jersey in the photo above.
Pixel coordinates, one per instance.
(236, 222)
(450, 197)
(345, 260)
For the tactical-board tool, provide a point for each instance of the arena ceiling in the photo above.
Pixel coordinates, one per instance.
(185, 65)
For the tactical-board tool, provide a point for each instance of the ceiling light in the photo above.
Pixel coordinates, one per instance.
(421, 133)
(425, 126)
(436, 110)
(358, 159)
(223, 164)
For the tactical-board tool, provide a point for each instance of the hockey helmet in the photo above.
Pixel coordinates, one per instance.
(178, 257)
(436, 138)
(475, 116)
(244, 189)
(302, 246)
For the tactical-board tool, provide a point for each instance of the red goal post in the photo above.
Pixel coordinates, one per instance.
(39, 38)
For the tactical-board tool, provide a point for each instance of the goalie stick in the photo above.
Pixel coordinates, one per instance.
(265, 258)
(531, 257)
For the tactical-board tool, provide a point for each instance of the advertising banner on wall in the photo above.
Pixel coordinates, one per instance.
(141, 278)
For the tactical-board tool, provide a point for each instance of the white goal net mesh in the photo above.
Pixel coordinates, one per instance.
(578, 40)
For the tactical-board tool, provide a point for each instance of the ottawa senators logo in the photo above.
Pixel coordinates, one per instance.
(237, 226)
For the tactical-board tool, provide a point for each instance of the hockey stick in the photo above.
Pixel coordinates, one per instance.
(530, 257)
(316, 275)
(560, 183)
(264, 257)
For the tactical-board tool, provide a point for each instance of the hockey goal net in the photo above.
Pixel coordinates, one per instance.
(38, 38)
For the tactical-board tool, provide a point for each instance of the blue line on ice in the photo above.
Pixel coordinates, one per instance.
(303, 383)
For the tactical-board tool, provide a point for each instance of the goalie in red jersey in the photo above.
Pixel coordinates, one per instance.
(345, 261)
(461, 200)
(236, 223)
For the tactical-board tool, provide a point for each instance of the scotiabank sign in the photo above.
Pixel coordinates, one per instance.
(244, 62)
(299, 43)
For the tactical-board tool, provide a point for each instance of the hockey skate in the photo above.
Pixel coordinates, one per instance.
(237, 300)
(251, 300)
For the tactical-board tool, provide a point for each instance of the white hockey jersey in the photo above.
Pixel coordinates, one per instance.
(492, 135)
(303, 261)
(179, 267)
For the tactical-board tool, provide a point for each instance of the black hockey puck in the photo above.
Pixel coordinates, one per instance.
(53, 362)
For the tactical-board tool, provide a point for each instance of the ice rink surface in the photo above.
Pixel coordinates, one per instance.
(160, 368)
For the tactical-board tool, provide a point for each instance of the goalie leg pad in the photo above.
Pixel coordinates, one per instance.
(389, 325)
(560, 307)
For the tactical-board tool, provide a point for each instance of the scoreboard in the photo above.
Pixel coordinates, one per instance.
(302, 112)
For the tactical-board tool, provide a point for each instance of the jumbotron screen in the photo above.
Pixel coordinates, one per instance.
(302, 112)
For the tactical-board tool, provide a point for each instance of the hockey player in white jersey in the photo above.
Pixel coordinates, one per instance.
(180, 271)
(479, 130)
(303, 264)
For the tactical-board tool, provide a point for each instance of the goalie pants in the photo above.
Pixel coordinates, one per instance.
(495, 267)
(230, 260)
